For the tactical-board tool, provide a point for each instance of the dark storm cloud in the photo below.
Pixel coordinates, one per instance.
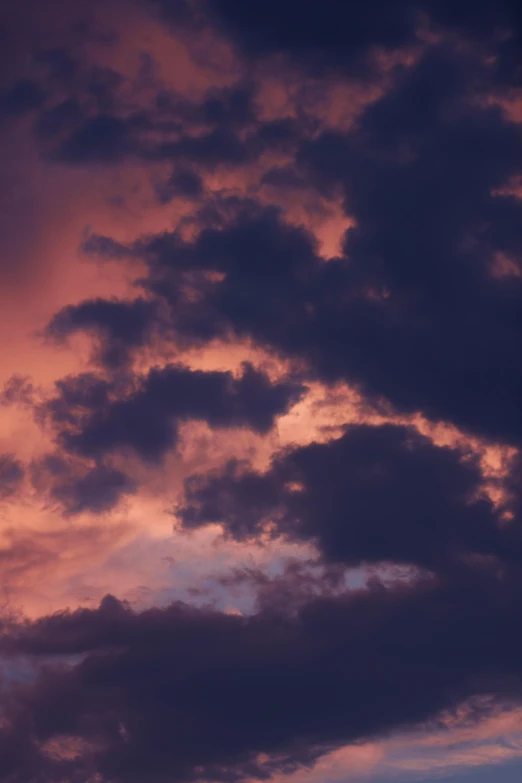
(95, 417)
(181, 694)
(376, 494)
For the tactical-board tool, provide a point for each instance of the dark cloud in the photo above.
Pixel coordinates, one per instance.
(78, 121)
(335, 35)
(104, 248)
(266, 272)
(420, 311)
(11, 475)
(121, 325)
(376, 494)
(100, 139)
(265, 267)
(59, 63)
(343, 36)
(24, 96)
(94, 416)
(18, 389)
(413, 310)
(181, 694)
(177, 12)
(496, 24)
(76, 396)
(89, 119)
(98, 490)
(93, 115)
(78, 486)
(421, 173)
(71, 68)
(110, 139)
(217, 147)
(59, 118)
(228, 107)
(284, 177)
(183, 183)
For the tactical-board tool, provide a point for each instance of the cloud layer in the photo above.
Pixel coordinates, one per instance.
(260, 422)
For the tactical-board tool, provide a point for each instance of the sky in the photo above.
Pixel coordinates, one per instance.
(260, 384)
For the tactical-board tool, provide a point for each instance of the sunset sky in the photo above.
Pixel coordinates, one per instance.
(260, 391)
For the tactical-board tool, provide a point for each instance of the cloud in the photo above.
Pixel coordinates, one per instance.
(107, 119)
(412, 311)
(183, 183)
(330, 192)
(22, 97)
(11, 475)
(97, 490)
(187, 134)
(94, 417)
(375, 494)
(247, 271)
(102, 139)
(341, 37)
(121, 325)
(181, 693)
(344, 37)
(420, 186)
